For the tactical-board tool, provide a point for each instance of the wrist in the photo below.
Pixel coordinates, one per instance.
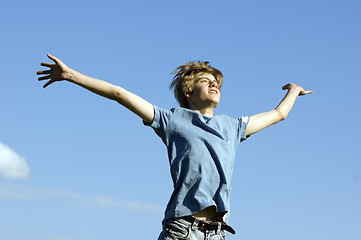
(295, 88)
(71, 75)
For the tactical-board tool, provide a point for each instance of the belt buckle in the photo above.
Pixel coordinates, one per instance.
(195, 224)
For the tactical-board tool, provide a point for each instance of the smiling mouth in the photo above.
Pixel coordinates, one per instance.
(213, 91)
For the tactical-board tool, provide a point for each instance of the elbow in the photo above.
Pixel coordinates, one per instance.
(118, 95)
(281, 115)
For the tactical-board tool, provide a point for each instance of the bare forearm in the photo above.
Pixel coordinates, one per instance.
(287, 102)
(58, 71)
(94, 85)
(262, 120)
(133, 102)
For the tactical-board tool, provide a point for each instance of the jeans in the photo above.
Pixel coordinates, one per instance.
(179, 228)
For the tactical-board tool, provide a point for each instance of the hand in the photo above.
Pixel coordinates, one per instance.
(290, 86)
(57, 72)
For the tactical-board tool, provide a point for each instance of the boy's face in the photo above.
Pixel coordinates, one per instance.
(206, 92)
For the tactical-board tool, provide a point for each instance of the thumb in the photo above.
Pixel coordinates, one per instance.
(306, 92)
(57, 61)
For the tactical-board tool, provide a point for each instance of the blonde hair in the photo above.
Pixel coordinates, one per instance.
(184, 79)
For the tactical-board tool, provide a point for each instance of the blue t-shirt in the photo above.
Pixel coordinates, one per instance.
(201, 152)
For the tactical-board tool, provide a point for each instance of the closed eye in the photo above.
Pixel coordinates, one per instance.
(204, 81)
(209, 82)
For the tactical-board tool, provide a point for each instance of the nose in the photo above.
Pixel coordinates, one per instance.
(213, 84)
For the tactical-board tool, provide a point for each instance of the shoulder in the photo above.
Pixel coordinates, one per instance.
(225, 118)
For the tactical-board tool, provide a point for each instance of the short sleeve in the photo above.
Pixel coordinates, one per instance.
(243, 122)
(160, 121)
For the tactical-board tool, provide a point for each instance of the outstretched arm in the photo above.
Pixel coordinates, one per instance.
(58, 71)
(262, 120)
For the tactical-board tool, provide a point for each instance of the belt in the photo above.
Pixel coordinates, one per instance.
(205, 225)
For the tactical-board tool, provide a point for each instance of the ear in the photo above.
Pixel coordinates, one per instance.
(188, 94)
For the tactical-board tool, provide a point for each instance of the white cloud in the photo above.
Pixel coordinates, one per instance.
(11, 164)
(130, 205)
(29, 193)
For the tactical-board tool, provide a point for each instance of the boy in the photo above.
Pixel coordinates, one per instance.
(201, 146)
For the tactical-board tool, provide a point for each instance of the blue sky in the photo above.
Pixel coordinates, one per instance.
(76, 166)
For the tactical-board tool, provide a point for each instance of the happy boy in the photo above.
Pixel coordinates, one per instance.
(201, 146)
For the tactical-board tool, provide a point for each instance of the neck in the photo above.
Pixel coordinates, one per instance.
(204, 111)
